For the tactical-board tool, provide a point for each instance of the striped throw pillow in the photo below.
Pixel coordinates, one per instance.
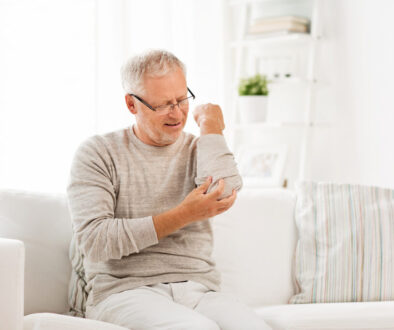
(345, 249)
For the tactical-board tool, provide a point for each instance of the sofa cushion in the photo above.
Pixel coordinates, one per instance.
(338, 316)
(42, 222)
(346, 245)
(254, 244)
(50, 321)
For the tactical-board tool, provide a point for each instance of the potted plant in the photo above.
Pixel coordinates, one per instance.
(253, 98)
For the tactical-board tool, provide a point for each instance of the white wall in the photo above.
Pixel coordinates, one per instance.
(46, 89)
(359, 67)
(60, 74)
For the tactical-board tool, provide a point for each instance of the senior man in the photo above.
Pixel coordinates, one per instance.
(141, 199)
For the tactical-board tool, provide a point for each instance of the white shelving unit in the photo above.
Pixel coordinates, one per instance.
(243, 42)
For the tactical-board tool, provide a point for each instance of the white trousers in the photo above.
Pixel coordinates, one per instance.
(183, 305)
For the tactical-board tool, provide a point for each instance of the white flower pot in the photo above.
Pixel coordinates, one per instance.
(252, 108)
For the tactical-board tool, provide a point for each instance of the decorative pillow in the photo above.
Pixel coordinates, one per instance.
(345, 250)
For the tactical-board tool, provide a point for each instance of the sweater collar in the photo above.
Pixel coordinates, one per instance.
(156, 149)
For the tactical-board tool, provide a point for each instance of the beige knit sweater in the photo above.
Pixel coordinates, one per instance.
(117, 183)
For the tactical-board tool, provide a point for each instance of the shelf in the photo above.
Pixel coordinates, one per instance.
(281, 124)
(272, 38)
(292, 80)
(248, 47)
(312, 83)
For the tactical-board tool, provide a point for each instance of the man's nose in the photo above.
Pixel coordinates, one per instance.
(175, 109)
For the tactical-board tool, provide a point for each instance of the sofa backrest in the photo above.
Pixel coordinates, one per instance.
(254, 246)
(43, 223)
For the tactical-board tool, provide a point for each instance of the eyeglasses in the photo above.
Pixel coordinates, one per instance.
(166, 108)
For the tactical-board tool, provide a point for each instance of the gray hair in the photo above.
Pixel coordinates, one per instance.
(151, 63)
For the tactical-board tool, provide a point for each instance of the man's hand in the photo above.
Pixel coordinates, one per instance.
(197, 205)
(209, 118)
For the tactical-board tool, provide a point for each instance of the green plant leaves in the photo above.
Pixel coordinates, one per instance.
(256, 85)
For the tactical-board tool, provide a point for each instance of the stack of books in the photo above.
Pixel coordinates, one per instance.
(281, 24)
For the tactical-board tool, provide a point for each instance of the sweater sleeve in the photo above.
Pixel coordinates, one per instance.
(215, 159)
(92, 201)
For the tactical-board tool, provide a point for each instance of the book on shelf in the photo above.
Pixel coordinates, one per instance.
(277, 19)
(280, 24)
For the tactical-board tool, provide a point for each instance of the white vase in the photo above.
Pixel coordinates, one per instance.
(252, 108)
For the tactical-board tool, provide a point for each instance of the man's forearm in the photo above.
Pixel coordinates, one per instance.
(168, 222)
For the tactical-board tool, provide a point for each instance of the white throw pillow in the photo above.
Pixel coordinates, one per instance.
(254, 246)
(345, 251)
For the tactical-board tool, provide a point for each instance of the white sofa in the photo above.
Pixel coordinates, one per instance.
(254, 249)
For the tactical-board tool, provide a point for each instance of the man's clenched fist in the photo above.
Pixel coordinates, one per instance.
(209, 118)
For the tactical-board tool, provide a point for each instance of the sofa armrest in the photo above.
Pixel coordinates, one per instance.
(12, 261)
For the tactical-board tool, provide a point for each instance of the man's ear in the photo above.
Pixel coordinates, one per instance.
(130, 104)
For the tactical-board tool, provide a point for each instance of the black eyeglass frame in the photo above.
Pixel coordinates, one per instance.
(153, 109)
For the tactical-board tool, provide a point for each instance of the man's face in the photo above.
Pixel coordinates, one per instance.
(160, 129)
